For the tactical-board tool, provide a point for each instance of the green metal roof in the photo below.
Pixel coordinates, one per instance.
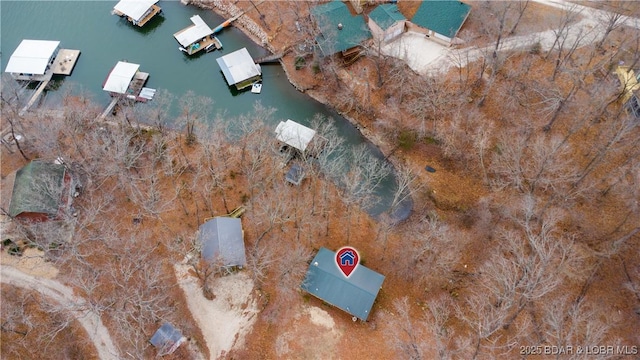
(37, 188)
(442, 16)
(386, 15)
(331, 39)
(354, 294)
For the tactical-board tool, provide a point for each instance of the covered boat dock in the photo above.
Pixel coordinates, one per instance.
(197, 37)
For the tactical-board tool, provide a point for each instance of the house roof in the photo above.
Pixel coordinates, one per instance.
(193, 33)
(442, 16)
(354, 294)
(37, 189)
(238, 66)
(294, 134)
(386, 15)
(134, 9)
(332, 40)
(628, 80)
(222, 239)
(120, 77)
(32, 57)
(167, 338)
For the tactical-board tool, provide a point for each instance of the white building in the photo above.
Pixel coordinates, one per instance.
(138, 12)
(32, 58)
(239, 69)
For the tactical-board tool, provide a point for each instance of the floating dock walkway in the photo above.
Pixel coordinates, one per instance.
(63, 64)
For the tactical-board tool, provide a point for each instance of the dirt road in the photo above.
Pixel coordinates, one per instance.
(63, 295)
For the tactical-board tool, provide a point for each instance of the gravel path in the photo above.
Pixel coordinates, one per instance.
(63, 295)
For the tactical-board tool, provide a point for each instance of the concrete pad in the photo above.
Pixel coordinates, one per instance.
(416, 50)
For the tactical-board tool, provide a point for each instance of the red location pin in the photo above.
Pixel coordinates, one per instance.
(347, 259)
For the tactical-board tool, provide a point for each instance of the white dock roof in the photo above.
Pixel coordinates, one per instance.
(120, 77)
(238, 66)
(197, 31)
(134, 9)
(294, 134)
(32, 57)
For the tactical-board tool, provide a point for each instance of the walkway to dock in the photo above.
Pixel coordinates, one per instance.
(35, 96)
(109, 109)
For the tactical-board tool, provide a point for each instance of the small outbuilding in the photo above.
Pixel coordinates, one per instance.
(339, 30)
(239, 69)
(222, 241)
(440, 20)
(41, 192)
(137, 12)
(295, 175)
(386, 22)
(167, 339)
(355, 294)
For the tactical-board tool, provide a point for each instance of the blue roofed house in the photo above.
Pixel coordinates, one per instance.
(440, 20)
(386, 22)
(167, 339)
(355, 294)
(339, 30)
(222, 241)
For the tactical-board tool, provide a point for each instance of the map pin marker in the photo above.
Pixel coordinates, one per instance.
(347, 259)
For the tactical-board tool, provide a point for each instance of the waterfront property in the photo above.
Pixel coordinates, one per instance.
(137, 12)
(125, 80)
(39, 60)
(339, 30)
(197, 37)
(440, 20)
(239, 69)
(354, 294)
(41, 192)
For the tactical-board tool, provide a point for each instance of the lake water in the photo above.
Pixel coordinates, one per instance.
(104, 39)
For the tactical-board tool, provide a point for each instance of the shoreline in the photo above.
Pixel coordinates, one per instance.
(255, 32)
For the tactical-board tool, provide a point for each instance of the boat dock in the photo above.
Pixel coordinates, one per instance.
(65, 62)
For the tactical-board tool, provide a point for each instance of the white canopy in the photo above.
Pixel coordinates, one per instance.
(32, 57)
(197, 31)
(120, 77)
(238, 66)
(134, 9)
(294, 134)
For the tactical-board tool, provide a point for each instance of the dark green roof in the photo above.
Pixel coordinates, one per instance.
(386, 15)
(442, 16)
(331, 39)
(354, 294)
(37, 188)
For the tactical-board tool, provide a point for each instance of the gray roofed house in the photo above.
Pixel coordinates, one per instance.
(355, 294)
(38, 191)
(239, 69)
(222, 241)
(167, 339)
